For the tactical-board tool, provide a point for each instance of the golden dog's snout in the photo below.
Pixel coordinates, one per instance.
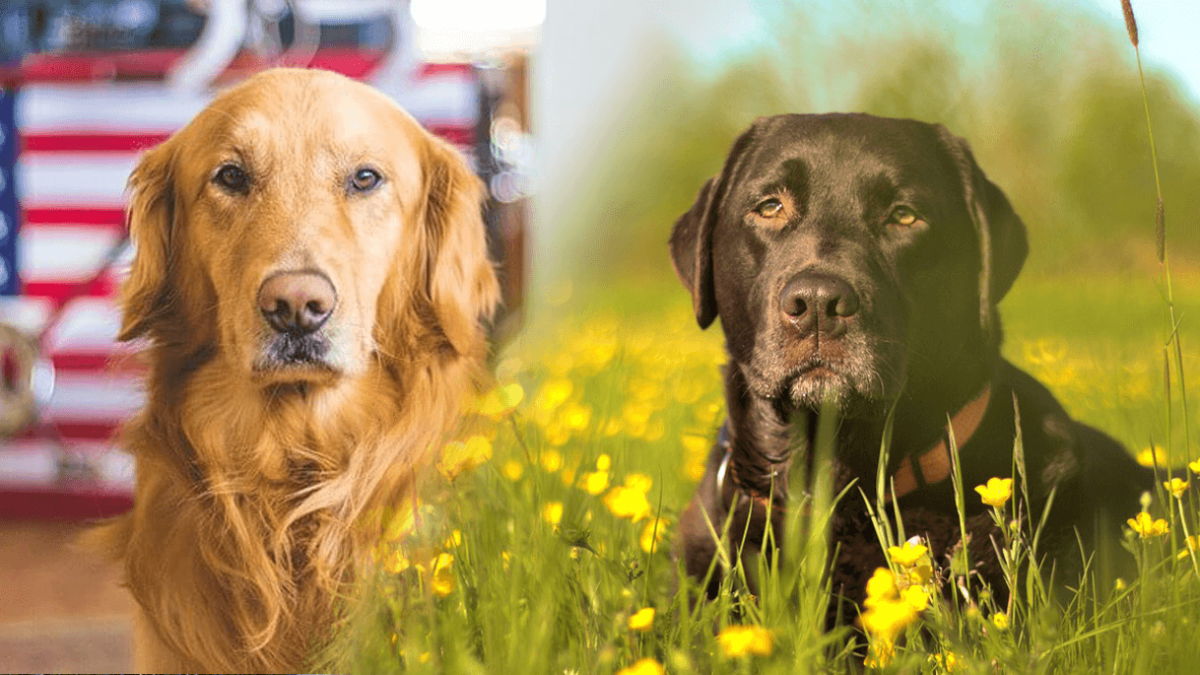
(297, 303)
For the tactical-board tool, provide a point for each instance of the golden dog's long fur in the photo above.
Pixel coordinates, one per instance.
(258, 489)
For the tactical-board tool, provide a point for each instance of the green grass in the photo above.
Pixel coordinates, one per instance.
(629, 376)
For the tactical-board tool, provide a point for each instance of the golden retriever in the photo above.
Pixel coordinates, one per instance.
(312, 279)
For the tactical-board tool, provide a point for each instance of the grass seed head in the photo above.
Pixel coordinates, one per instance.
(1130, 23)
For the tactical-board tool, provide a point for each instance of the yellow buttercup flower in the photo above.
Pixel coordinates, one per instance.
(950, 662)
(552, 460)
(1000, 621)
(996, 493)
(626, 502)
(889, 612)
(909, 554)
(642, 620)
(746, 641)
(553, 394)
(512, 470)
(1147, 527)
(916, 597)
(576, 416)
(1192, 543)
(880, 654)
(887, 619)
(461, 456)
(881, 587)
(1195, 467)
(653, 534)
(645, 666)
(603, 463)
(1151, 456)
(442, 581)
(920, 574)
(1176, 486)
(552, 512)
(502, 400)
(639, 481)
(595, 482)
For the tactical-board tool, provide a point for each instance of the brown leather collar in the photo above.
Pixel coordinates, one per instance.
(934, 465)
(931, 467)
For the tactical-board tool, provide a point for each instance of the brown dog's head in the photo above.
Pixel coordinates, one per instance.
(838, 249)
(294, 221)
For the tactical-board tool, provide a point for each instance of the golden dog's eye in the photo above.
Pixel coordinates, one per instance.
(232, 178)
(769, 208)
(903, 216)
(365, 180)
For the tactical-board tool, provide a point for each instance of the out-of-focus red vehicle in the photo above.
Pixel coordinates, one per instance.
(89, 84)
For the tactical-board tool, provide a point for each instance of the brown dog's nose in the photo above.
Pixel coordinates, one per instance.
(296, 302)
(818, 301)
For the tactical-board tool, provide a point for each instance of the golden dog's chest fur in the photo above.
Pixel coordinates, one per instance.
(256, 485)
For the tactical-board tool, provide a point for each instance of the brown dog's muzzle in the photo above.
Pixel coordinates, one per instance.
(816, 303)
(297, 303)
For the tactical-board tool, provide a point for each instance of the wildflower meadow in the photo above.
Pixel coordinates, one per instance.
(542, 540)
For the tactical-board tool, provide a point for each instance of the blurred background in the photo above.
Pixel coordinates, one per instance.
(641, 101)
(611, 115)
(87, 85)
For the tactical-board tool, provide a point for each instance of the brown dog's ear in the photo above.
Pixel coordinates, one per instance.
(151, 220)
(691, 254)
(461, 280)
(1002, 238)
(691, 237)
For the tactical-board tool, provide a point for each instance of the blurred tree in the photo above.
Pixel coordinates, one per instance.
(1048, 97)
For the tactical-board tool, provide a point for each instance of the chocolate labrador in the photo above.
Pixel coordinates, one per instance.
(856, 262)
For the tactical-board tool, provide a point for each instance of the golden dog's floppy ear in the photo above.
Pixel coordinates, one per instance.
(462, 283)
(691, 237)
(1003, 243)
(151, 217)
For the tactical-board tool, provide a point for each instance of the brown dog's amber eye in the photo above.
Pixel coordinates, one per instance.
(365, 180)
(232, 178)
(769, 208)
(903, 216)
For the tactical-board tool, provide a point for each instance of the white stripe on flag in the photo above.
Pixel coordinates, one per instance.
(33, 463)
(88, 325)
(62, 254)
(26, 314)
(93, 180)
(94, 397)
(147, 108)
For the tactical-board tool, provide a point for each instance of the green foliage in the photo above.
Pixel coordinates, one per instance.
(633, 379)
(1044, 96)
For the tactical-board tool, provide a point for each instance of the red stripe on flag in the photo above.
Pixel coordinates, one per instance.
(458, 134)
(53, 215)
(119, 360)
(72, 431)
(61, 292)
(440, 69)
(154, 64)
(60, 503)
(95, 67)
(84, 142)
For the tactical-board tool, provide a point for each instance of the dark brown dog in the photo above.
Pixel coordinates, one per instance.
(859, 259)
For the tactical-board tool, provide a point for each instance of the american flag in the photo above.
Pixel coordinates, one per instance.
(76, 142)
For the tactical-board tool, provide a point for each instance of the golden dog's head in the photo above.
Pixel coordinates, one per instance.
(302, 226)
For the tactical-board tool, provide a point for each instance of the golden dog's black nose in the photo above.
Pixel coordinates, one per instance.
(296, 302)
(815, 301)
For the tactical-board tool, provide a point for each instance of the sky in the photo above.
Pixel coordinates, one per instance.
(1167, 35)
